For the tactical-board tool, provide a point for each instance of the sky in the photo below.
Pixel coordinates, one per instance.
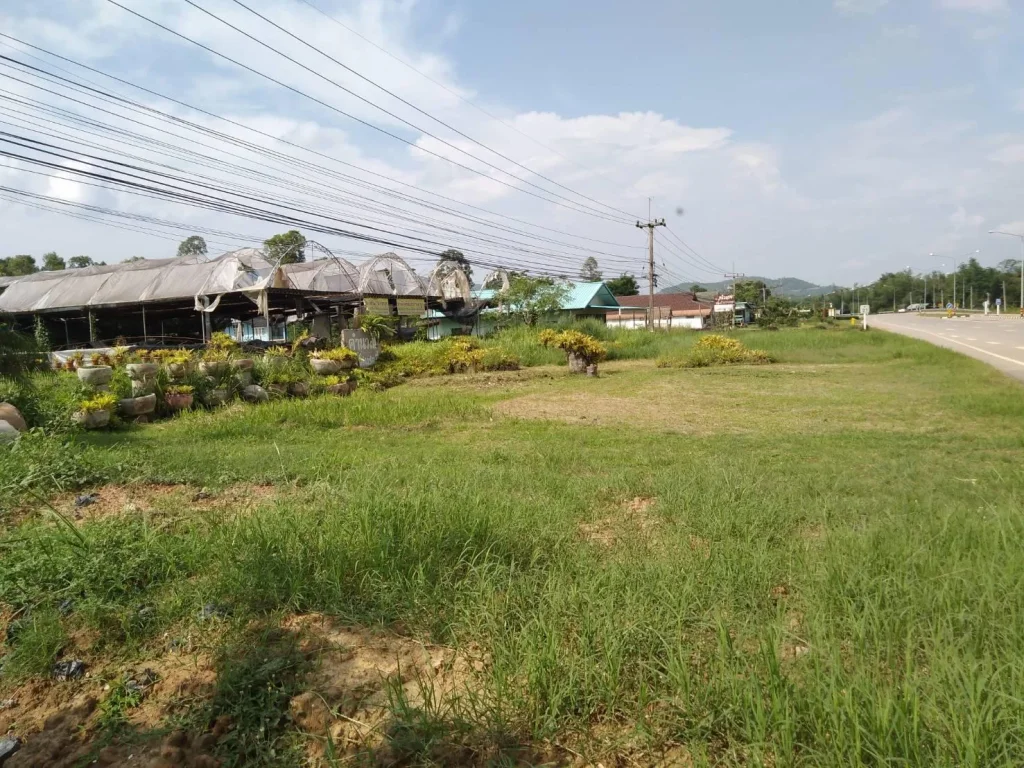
(829, 140)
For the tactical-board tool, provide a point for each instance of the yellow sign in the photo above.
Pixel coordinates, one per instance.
(414, 307)
(376, 305)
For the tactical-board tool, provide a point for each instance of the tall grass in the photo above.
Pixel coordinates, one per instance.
(790, 599)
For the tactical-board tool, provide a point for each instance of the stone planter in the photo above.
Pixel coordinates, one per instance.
(179, 402)
(13, 416)
(96, 376)
(214, 368)
(142, 371)
(255, 394)
(92, 419)
(325, 367)
(281, 390)
(8, 433)
(577, 364)
(344, 389)
(276, 362)
(299, 389)
(245, 364)
(178, 371)
(133, 407)
(216, 397)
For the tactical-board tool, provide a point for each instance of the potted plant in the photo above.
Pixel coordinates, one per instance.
(276, 357)
(95, 412)
(179, 397)
(134, 407)
(583, 352)
(94, 375)
(216, 362)
(336, 385)
(328, 362)
(178, 362)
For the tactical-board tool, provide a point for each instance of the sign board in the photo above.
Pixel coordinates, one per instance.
(362, 345)
(413, 307)
(999, 302)
(865, 309)
(376, 305)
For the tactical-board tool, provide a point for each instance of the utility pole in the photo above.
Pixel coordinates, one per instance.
(733, 275)
(649, 226)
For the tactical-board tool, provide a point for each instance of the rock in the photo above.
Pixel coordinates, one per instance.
(214, 611)
(8, 746)
(140, 682)
(13, 416)
(68, 670)
(202, 495)
(8, 433)
(255, 394)
(86, 499)
(8, 704)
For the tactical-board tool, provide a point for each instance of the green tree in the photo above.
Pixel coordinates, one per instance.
(529, 299)
(454, 256)
(589, 271)
(133, 259)
(15, 266)
(286, 248)
(42, 338)
(623, 285)
(78, 262)
(52, 262)
(17, 352)
(193, 245)
(752, 291)
(697, 288)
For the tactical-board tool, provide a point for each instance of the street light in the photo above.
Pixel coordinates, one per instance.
(960, 258)
(1021, 238)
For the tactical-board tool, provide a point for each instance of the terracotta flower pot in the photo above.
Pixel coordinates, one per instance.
(131, 407)
(179, 402)
(325, 367)
(95, 376)
(92, 419)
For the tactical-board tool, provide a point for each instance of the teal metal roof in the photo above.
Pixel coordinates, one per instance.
(580, 296)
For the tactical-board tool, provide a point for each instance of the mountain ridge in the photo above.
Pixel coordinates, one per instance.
(789, 287)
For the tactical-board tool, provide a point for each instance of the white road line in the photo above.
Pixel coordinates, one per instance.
(991, 342)
(969, 338)
(979, 349)
(1020, 347)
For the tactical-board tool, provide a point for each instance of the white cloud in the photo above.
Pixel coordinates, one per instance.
(990, 32)
(976, 6)
(1009, 154)
(908, 32)
(961, 219)
(850, 7)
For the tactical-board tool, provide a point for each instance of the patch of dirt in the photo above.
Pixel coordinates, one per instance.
(347, 696)
(581, 408)
(59, 722)
(163, 500)
(633, 520)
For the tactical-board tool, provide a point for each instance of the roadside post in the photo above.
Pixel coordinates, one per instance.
(865, 310)
(999, 306)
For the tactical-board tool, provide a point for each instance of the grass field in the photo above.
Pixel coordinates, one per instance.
(815, 562)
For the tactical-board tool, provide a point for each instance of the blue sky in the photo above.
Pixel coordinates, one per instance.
(826, 140)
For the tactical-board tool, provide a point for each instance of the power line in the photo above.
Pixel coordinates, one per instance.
(395, 96)
(283, 157)
(571, 203)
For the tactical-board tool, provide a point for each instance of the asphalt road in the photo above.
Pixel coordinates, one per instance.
(998, 341)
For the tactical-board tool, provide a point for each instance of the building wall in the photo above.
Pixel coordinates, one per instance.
(635, 321)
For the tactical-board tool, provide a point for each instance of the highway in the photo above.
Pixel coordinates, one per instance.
(998, 341)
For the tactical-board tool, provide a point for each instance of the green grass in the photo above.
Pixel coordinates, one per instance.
(830, 573)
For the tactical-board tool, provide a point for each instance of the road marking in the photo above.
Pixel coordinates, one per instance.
(1020, 347)
(979, 349)
(969, 338)
(953, 336)
(991, 342)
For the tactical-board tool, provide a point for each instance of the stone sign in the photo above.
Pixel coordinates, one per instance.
(362, 345)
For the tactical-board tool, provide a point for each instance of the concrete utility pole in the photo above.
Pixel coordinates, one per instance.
(733, 275)
(649, 226)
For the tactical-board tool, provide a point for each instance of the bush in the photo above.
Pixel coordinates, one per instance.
(716, 349)
(574, 342)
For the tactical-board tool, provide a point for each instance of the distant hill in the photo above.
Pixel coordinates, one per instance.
(790, 287)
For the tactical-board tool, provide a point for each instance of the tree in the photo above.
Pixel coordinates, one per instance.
(697, 288)
(78, 262)
(589, 271)
(42, 338)
(623, 285)
(15, 266)
(136, 258)
(454, 256)
(286, 248)
(1010, 266)
(752, 291)
(52, 262)
(193, 245)
(530, 298)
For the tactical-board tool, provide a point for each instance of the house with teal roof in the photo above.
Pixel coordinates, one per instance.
(583, 300)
